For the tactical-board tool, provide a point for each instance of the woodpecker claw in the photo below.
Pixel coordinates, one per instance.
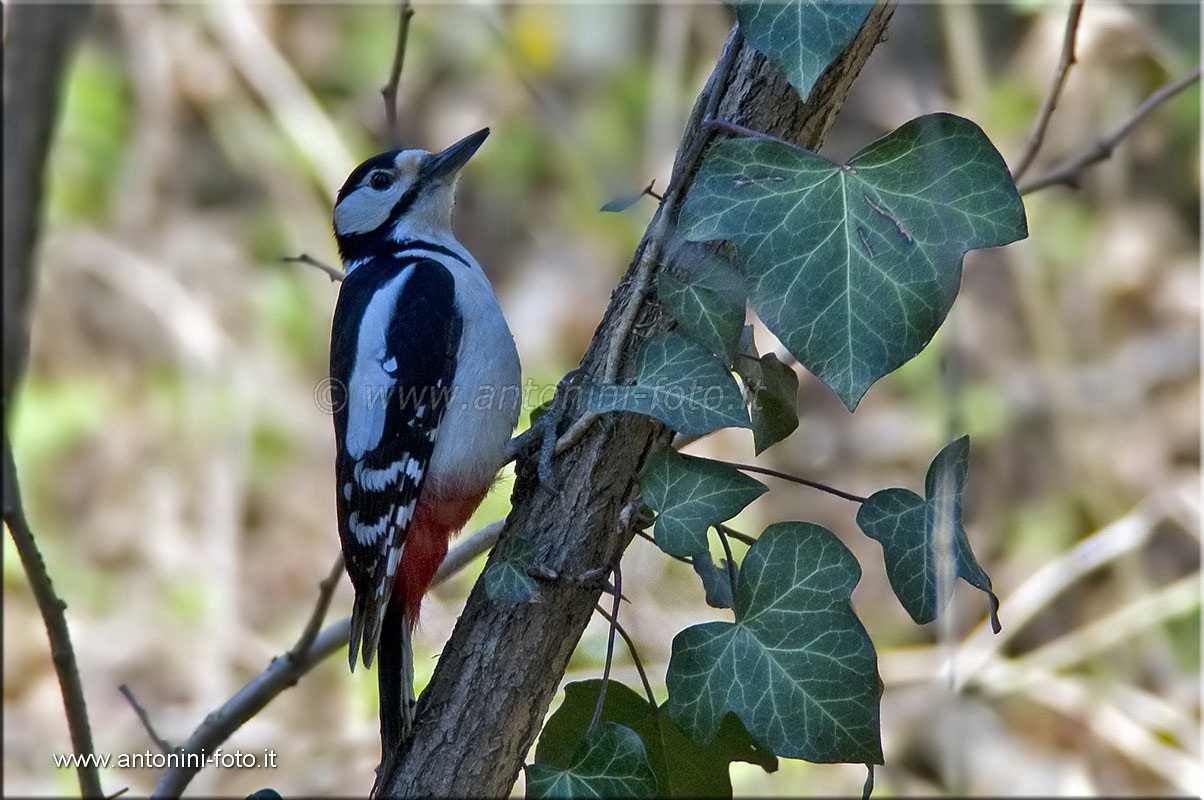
(548, 432)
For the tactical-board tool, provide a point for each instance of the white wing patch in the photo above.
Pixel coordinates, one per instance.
(371, 386)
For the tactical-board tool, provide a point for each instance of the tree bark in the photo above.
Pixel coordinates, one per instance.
(500, 670)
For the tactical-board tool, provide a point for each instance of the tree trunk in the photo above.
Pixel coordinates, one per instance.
(501, 668)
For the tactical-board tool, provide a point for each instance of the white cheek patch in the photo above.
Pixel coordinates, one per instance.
(365, 209)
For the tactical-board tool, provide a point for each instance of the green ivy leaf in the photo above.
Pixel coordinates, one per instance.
(801, 37)
(691, 495)
(715, 579)
(855, 266)
(773, 387)
(507, 581)
(610, 762)
(679, 383)
(708, 304)
(622, 202)
(923, 538)
(682, 768)
(796, 666)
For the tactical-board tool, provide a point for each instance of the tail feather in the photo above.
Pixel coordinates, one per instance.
(395, 677)
(368, 621)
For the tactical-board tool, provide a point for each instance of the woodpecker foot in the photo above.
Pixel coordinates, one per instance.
(549, 430)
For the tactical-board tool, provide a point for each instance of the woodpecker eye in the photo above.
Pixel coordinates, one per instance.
(380, 181)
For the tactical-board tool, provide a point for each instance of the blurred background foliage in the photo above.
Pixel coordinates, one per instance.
(178, 471)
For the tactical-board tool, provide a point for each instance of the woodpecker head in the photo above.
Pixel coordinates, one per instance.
(400, 194)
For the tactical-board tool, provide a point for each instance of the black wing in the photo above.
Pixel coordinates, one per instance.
(393, 351)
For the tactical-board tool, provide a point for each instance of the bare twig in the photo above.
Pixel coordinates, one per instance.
(334, 273)
(610, 649)
(52, 609)
(737, 535)
(649, 191)
(823, 487)
(1045, 113)
(644, 534)
(287, 669)
(635, 655)
(389, 92)
(742, 130)
(1069, 173)
(163, 745)
(318, 616)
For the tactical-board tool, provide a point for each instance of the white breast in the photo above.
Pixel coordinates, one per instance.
(485, 405)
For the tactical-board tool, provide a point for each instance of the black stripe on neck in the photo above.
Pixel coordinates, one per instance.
(422, 244)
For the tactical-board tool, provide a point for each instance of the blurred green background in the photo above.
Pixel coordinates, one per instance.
(178, 472)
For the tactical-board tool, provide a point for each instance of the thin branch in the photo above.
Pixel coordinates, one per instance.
(610, 649)
(823, 487)
(743, 538)
(389, 92)
(1045, 113)
(1069, 173)
(731, 562)
(285, 670)
(635, 655)
(163, 745)
(52, 609)
(334, 273)
(660, 198)
(645, 535)
(325, 593)
(741, 130)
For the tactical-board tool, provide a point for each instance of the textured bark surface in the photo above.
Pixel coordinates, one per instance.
(38, 42)
(503, 663)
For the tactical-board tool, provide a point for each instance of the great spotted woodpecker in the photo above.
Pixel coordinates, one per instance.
(431, 378)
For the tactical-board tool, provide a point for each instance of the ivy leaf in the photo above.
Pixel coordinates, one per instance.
(679, 383)
(796, 666)
(773, 387)
(923, 541)
(855, 266)
(507, 581)
(609, 762)
(715, 579)
(708, 303)
(622, 202)
(803, 37)
(682, 768)
(691, 495)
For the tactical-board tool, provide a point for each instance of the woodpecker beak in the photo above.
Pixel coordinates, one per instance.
(442, 166)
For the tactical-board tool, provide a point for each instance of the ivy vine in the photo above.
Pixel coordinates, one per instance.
(853, 267)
